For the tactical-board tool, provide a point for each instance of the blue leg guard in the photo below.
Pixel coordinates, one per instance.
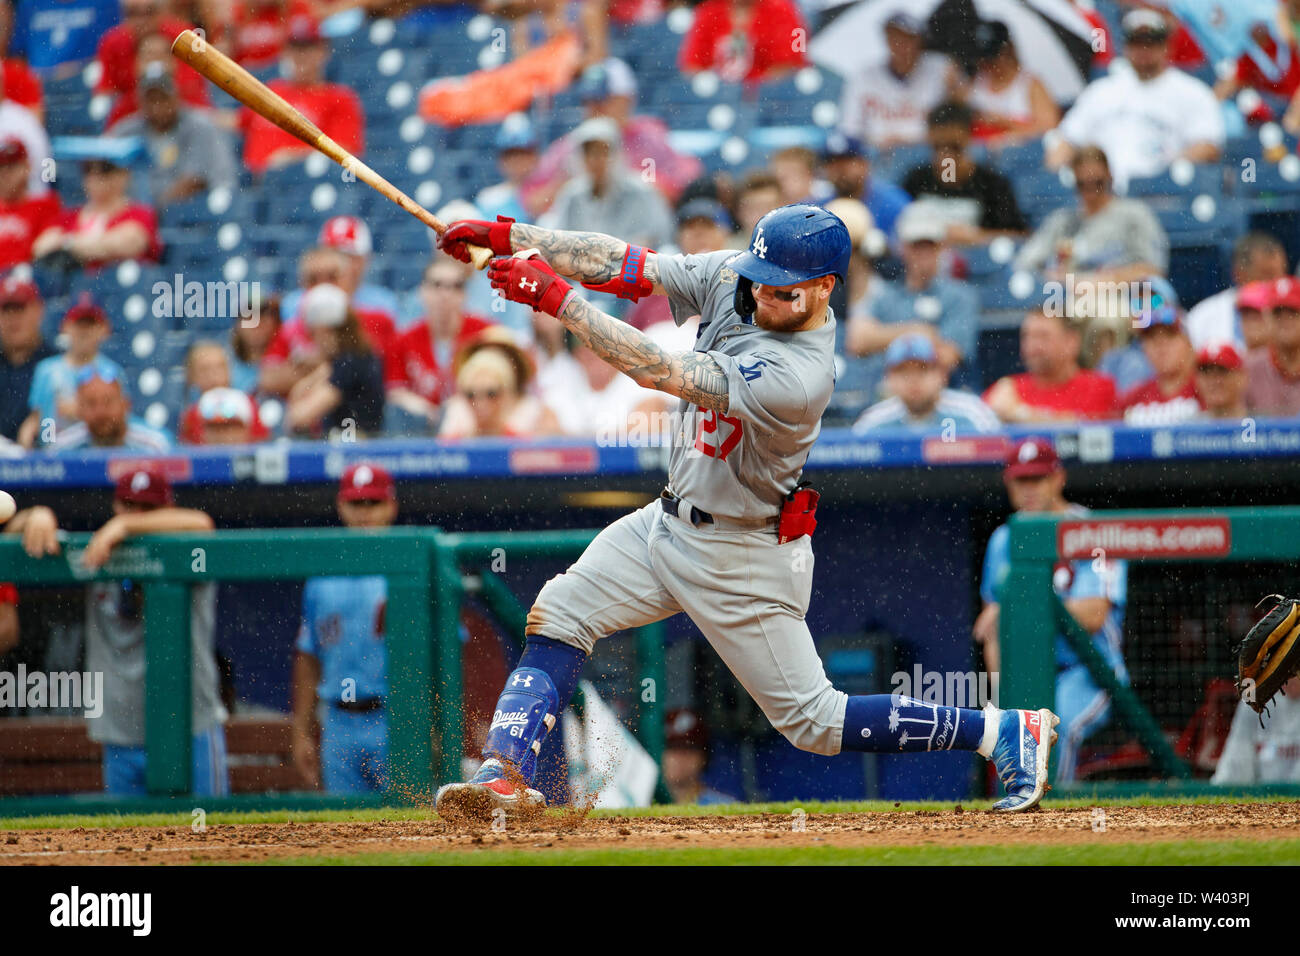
(525, 713)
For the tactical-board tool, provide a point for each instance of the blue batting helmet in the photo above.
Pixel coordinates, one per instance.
(791, 244)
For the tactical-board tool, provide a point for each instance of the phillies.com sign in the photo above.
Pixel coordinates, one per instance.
(1189, 537)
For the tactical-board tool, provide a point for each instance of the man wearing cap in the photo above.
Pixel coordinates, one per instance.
(1273, 373)
(1221, 382)
(1257, 257)
(228, 416)
(114, 634)
(23, 216)
(607, 198)
(847, 167)
(418, 374)
(975, 201)
(919, 396)
(1169, 397)
(885, 104)
(188, 153)
(340, 668)
(1053, 388)
(1144, 116)
(335, 109)
(52, 400)
(350, 237)
(118, 56)
(1094, 592)
(609, 89)
(104, 419)
(945, 310)
(22, 349)
(686, 750)
(517, 159)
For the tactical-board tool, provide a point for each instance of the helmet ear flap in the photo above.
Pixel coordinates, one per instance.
(743, 301)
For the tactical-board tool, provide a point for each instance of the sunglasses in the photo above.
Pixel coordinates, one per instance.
(1099, 182)
(98, 169)
(13, 306)
(365, 502)
(491, 394)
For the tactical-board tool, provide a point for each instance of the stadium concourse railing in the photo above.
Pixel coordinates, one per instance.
(429, 574)
(1033, 614)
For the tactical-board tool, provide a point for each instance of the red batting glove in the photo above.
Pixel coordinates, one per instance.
(476, 232)
(530, 281)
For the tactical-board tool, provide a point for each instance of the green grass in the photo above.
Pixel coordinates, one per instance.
(109, 821)
(1173, 853)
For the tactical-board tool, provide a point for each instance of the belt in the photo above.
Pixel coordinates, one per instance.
(360, 706)
(679, 508)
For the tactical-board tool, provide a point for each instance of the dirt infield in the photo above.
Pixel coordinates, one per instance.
(244, 843)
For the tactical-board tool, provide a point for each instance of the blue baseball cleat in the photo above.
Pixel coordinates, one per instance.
(1024, 745)
(492, 787)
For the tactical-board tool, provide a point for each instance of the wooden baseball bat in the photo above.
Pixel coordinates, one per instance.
(193, 49)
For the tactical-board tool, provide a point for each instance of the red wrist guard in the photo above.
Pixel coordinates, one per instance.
(631, 282)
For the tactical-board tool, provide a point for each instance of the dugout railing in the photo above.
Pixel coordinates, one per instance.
(429, 574)
(1033, 614)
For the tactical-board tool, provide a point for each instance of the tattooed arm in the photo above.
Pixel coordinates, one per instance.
(586, 256)
(694, 376)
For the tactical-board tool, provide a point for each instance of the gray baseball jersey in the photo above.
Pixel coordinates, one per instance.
(741, 464)
(747, 592)
(115, 648)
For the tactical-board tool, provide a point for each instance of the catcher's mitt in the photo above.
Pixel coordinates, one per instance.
(1269, 655)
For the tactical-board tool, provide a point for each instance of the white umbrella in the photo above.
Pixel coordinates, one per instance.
(1047, 35)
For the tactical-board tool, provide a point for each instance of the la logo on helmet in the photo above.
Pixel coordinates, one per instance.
(760, 247)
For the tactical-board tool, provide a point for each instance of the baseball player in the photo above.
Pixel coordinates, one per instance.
(341, 659)
(728, 541)
(1094, 591)
(142, 504)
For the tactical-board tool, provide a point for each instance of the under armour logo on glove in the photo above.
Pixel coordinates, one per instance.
(525, 679)
(528, 279)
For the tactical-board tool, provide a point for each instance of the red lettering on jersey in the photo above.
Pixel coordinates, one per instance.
(709, 425)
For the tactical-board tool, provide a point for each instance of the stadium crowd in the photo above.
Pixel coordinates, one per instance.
(965, 177)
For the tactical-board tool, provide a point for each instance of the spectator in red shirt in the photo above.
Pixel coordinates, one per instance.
(1273, 373)
(1169, 396)
(120, 49)
(22, 217)
(109, 227)
(22, 86)
(321, 266)
(749, 40)
(1053, 388)
(1221, 382)
(335, 109)
(259, 29)
(418, 374)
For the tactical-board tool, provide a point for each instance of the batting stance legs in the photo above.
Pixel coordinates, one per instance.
(748, 595)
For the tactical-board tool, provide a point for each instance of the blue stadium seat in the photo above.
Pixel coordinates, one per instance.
(1206, 179)
(1267, 189)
